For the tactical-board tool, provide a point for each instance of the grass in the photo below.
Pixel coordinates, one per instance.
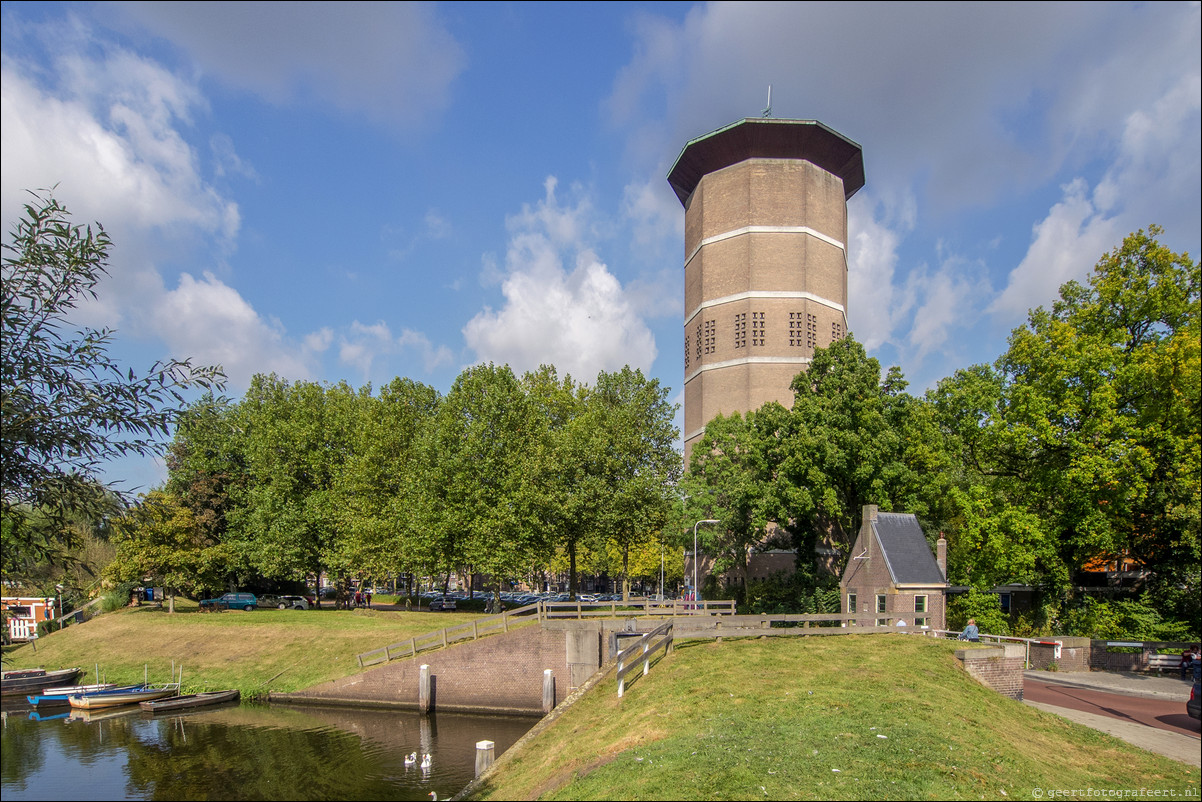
(256, 652)
(848, 717)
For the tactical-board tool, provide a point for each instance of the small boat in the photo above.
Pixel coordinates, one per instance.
(123, 696)
(32, 680)
(60, 695)
(191, 700)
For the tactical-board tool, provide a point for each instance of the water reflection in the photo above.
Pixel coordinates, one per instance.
(246, 751)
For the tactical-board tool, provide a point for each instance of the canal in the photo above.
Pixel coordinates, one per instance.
(247, 751)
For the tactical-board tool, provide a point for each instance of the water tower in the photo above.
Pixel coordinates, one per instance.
(765, 259)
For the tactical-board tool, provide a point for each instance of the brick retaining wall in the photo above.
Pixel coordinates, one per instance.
(1074, 654)
(501, 673)
(998, 667)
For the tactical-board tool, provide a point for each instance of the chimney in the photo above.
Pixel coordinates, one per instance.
(870, 511)
(941, 555)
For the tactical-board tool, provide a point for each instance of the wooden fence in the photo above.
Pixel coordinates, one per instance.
(619, 609)
(641, 652)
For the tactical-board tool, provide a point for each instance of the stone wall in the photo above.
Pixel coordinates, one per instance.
(997, 667)
(1074, 654)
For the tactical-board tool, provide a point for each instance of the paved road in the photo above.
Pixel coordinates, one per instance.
(1145, 711)
(1164, 714)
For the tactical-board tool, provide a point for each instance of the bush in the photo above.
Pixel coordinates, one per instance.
(118, 597)
(980, 605)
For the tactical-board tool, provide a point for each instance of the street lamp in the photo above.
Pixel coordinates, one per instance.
(59, 589)
(699, 523)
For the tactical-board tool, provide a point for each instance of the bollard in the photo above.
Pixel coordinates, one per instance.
(484, 750)
(548, 691)
(423, 690)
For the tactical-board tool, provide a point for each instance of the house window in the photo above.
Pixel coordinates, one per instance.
(21, 612)
(922, 622)
(882, 622)
(920, 604)
(851, 602)
(880, 602)
(1004, 599)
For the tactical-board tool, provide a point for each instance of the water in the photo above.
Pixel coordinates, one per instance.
(248, 751)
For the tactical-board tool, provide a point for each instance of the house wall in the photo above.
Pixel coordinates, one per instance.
(867, 575)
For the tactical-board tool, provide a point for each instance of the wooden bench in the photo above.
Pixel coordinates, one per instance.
(1160, 662)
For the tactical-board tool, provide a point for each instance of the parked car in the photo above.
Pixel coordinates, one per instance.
(292, 602)
(231, 601)
(439, 605)
(1195, 699)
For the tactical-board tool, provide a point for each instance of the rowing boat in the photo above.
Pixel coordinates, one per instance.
(191, 700)
(123, 696)
(31, 680)
(60, 695)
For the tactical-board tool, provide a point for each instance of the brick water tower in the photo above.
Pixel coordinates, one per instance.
(765, 259)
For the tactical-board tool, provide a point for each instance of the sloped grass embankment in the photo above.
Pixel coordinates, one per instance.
(256, 652)
(847, 717)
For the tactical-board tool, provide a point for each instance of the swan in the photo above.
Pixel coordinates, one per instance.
(410, 758)
(426, 761)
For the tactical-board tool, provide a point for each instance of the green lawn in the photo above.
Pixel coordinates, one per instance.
(847, 717)
(256, 652)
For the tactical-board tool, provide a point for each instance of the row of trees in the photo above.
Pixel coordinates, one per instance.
(500, 476)
(1078, 447)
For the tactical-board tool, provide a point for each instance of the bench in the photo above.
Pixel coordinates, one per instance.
(1160, 662)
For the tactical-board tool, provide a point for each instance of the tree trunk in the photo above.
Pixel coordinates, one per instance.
(571, 569)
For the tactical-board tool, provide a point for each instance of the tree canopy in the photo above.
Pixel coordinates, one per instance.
(67, 406)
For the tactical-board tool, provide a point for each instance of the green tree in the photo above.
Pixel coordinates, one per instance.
(482, 504)
(1084, 436)
(378, 492)
(67, 407)
(640, 464)
(852, 439)
(160, 539)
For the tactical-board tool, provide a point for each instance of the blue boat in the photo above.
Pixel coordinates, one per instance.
(61, 695)
(123, 696)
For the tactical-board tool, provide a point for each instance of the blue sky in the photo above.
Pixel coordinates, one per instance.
(358, 192)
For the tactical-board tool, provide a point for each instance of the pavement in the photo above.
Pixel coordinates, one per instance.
(1181, 741)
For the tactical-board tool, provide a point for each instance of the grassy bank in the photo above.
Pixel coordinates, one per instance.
(256, 652)
(850, 717)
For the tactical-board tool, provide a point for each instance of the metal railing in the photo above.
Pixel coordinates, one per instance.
(641, 652)
(441, 638)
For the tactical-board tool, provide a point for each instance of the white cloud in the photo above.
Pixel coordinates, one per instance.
(213, 323)
(393, 62)
(875, 303)
(578, 318)
(365, 346)
(1066, 244)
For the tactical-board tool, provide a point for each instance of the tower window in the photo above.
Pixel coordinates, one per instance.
(711, 337)
(741, 330)
(698, 341)
(811, 333)
(686, 352)
(836, 332)
(757, 328)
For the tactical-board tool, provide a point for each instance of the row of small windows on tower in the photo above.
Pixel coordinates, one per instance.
(803, 333)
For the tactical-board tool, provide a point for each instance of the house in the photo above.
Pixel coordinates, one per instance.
(22, 614)
(892, 578)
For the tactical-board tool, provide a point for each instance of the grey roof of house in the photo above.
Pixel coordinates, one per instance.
(906, 550)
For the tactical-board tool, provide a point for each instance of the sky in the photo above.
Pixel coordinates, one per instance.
(354, 192)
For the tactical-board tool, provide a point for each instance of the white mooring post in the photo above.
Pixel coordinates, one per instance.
(423, 689)
(484, 756)
(548, 691)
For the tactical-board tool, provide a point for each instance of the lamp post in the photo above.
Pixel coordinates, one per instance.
(699, 523)
(59, 589)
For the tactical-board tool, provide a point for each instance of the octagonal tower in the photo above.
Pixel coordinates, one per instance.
(765, 259)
